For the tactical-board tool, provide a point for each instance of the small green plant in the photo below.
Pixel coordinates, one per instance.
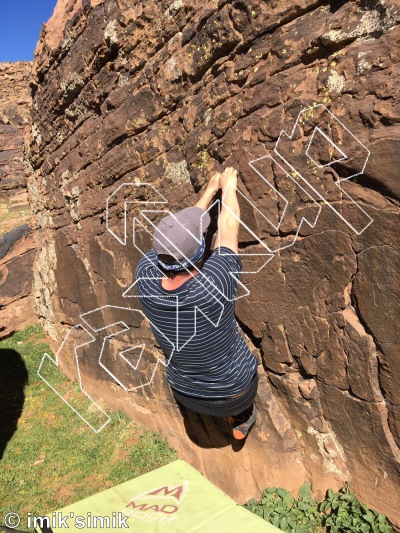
(289, 514)
(345, 513)
(340, 512)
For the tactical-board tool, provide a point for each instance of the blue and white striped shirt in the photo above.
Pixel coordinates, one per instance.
(196, 328)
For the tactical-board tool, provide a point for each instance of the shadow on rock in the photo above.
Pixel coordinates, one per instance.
(13, 378)
(208, 431)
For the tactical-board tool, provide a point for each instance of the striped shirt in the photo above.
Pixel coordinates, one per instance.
(196, 328)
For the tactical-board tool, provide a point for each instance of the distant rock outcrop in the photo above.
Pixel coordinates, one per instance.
(17, 246)
(14, 120)
(165, 93)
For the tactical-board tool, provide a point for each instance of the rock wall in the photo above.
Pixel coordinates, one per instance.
(17, 245)
(166, 93)
(14, 120)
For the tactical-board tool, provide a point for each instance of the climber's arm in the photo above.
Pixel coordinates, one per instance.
(228, 223)
(211, 190)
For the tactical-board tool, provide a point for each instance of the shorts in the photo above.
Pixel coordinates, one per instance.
(221, 407)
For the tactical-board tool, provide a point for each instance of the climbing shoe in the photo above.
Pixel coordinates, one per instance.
(241, 424)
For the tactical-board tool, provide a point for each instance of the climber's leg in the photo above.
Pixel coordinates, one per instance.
(220, 407)
(241, 424)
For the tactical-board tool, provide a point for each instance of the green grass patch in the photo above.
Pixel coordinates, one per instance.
(10, 219)
(53, 458)
(339, 512)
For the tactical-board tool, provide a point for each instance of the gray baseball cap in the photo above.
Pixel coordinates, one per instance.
(181, 234)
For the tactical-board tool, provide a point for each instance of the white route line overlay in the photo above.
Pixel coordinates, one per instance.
(283, 133)
(269, 254)
(201, 277)
(124, 330)
(55, 362)
(163, 200)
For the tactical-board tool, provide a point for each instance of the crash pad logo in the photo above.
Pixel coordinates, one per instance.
(159, 504)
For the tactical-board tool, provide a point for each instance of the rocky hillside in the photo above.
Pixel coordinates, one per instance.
(143, 100)
(17, 247)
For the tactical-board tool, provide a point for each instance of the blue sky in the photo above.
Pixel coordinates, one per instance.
(20, 23)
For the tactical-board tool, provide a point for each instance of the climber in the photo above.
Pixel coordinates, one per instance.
(189, 302)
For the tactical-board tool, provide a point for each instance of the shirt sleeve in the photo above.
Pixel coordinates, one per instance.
(223, 269)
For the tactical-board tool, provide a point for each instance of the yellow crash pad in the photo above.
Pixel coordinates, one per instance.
(174, 498)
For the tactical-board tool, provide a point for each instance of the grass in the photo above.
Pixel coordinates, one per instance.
(10, 219)
(54, 459)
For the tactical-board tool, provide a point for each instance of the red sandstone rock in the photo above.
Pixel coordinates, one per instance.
(17, 246)
(17, 253)
(165, 93)
(14, 125)
(14, 121)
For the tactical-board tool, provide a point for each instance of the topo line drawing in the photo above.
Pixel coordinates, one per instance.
(296, 178)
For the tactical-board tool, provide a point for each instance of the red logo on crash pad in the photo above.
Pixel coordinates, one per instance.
(161, 503)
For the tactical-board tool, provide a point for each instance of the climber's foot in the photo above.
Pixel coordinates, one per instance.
(241, 424)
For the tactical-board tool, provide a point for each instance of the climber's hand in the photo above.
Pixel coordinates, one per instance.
(229, 179)
(214, 183)
(208, 194)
